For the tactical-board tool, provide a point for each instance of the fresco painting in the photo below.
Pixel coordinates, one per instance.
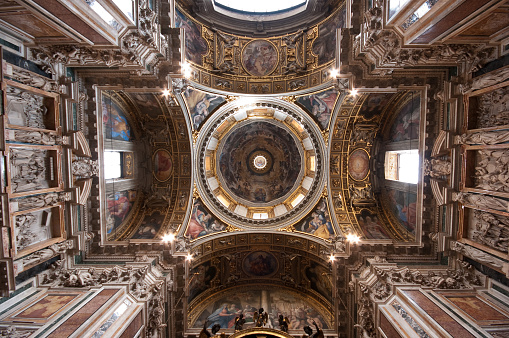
(259, 57)
(325, 45)
(260, 264)
(196, 46)
(115, 123)
(118, 206)
(317, 276)
(201, 104)
(202, 222)
(163, 165)
(406, 124)
(264, 186)
(318, 223)
(320, 105)
(150, 226)
(403, 205)
(46, 307)
(374, 105)
(246, 301)
(371, 226)
(358, 164)
(203, 275)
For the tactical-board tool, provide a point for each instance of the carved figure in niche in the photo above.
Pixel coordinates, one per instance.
(317, 334)
(488, 137)
(437, 168)
(360, 135)
(493, 110)
(45, 254)
(35, 137)
(478, 255)
(40, 201)
(33, 109)
(283, 323)
(491, 230)
(360, 193)
(239, 322)
(85, 167)
(481, 201)
(25, 237)
(28, 170)
(492, 170)
(224, 68)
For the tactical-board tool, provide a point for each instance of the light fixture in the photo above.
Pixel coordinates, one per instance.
(353, 238)
(166, 92)
(168, 238)
(354, 92)
(189, 257)
(334, 73)
(332, 258)
(186, 70)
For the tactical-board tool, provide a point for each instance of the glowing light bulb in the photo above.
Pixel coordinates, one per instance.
(166, 92)
(189, 257)
(168, 238)
(334, 73)
(332, 258)
(354, 92)
(186, 70)
(352, 238)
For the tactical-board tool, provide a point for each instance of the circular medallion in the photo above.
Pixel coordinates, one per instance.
(259, 57)
(358, 164)
(259, 162)
(163, 165)
(259, 264)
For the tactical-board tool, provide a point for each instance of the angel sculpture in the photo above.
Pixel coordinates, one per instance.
(283, 323)
(206, 334)
(260, 318)
(239, 322)
(309, 331)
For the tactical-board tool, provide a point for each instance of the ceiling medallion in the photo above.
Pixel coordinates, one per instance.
(260, 163)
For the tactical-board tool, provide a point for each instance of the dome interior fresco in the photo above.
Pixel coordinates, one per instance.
(171, 166)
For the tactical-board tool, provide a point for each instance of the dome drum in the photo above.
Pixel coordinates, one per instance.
(260, 164)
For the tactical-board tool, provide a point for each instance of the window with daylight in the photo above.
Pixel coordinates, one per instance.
(402, 165)
(260, 6)
(112, 164)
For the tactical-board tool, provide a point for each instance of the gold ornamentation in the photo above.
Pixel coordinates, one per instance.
(289, 228)
(196, 194)
(231, 228)
(195, 136)
(290, 99)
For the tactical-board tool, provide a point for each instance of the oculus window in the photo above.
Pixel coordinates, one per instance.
(260, 6)
(402, 165)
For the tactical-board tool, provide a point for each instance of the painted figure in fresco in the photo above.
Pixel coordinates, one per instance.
(201, 105)
(283, 323)
(404, 206)
(222, 316)
(239, 322)
(118, 208)
(150, 226)
(202, 223)
(406, 126)
(195, 44)
(372, 228)
(320, 105)
(318, 223)
(115, 123)
(325, 45)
